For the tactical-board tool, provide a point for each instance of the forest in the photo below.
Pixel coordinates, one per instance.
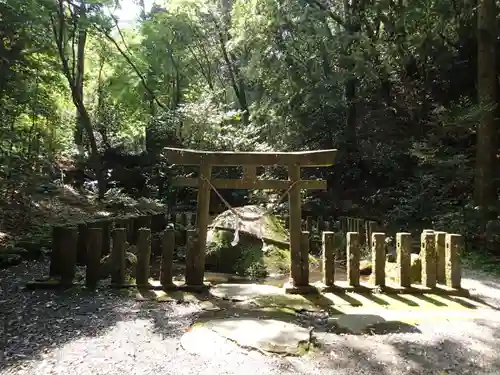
(407, 93)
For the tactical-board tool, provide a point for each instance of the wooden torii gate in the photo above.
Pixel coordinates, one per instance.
(250, 161)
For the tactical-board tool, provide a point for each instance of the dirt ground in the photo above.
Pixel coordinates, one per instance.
(78, 332)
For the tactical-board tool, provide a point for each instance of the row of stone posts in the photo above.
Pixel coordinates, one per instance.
(89, 242)
(86, 243)
(439, 256)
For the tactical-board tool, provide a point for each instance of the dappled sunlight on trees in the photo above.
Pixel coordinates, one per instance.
(91, 101)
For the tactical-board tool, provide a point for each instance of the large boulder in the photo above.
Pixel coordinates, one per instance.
(262, 247)
(255, 221)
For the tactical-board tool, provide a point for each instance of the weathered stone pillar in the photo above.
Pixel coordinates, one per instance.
(69, 243)
(440, 239)
(454, 248)
(294, 203)
(118, 256)
(194, 271)
(353, 258)
(93, 269)
(168, 245)
(304, 259)
(203, 218)
(403, 250)
(378, 258)
(55, 255)
(328, 258)
(143, 257)
(428, 258)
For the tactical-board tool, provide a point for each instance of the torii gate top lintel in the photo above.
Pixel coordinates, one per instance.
(229, 158)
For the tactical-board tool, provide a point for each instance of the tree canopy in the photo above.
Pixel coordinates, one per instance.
(406, 91)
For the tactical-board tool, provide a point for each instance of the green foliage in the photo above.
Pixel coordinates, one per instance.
(391, 86)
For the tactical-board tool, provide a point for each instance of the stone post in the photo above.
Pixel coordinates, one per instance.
(428, 258)
(168, 245)
(454, 248)
(328, 258)
(93, 269)
(118, 256)
(295, 204)
(143, 256)
(194, 273)
(403, 250)
(353, 258)
(55, 255)
(304, 259)
(69, 244)
(378, 258)
(440, 239)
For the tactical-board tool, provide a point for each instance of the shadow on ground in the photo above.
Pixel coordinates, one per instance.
(34, 324)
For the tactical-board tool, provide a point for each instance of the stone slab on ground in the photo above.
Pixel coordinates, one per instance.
(203, 341)
(265, 296)
(266, 335)
(244, 292)
(177, 296)
(218, 277)
(289, 301)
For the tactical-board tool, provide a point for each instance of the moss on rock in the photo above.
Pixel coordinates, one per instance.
(246, 258)
(262, 249)
(249, 257)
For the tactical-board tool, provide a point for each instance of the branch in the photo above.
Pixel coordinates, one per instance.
(207, 74)
(58, 38)
(324, 8)
(130, 62)
(226, 57)
(201, 68)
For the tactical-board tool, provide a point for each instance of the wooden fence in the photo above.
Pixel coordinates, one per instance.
(314, 225)
(88, 242)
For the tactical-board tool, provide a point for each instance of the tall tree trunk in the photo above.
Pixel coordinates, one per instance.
(237, 81)
(79, 76)
(148, 97)
(73, 69)
(484, 187)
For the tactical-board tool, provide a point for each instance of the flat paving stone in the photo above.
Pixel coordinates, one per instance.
(266, 335)
(205, 342)
(244, 292)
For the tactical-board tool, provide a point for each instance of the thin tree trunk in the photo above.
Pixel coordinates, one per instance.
(79, 75)
(484, 188)
(237, 81)
(74, 76)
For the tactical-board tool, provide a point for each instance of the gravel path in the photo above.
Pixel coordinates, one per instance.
(76, 333)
